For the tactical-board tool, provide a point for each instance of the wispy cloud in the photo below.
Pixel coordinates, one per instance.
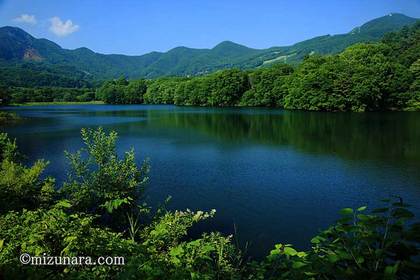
(61, 28)
(25, 18)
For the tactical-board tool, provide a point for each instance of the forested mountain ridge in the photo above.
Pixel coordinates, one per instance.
(364, 77)
(22, 56)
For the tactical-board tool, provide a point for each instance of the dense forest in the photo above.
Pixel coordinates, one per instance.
(48, 94)
(364, 77)
(100, 211)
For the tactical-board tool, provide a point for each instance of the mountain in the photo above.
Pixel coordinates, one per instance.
(19, 50)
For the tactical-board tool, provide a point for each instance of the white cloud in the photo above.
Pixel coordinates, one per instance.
(25, 18)
(60, 28)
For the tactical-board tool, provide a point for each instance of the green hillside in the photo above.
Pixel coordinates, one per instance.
(27, 61)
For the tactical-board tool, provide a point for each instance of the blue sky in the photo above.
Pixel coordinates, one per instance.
(137, 27)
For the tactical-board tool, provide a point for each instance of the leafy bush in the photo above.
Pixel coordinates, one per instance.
(21, 186)
(380, 245)
(101, 183)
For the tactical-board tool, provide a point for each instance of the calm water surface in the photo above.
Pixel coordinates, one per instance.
(279, 176)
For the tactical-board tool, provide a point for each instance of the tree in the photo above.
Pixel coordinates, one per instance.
(362, 78)
(111, 92)
(162, 91)
(268, 86)
(134, 91)
(227, 87)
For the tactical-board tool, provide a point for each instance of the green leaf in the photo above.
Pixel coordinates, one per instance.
(391, 270)
(346, 211)
(363, 208)
(63, 204)
(111, 205)
(289, 251)
(176, 251)
(360, 259)
(278, 246)
(344, 255)
(316, 240)
(301, 254)
(297, 265)
(333, 258)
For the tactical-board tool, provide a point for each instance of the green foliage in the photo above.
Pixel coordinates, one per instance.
(162, 91)
(51, 94)
(268, 86)
(134, 92)
(193, 92)
(111, 92)
(171, 256)
(8, 148)
(209, 257)
(380, 245)
(405, 44)
(8, 118)
(99, 181)
(359, 79)
(21, 186)
(223, 88)
(56, 233)
(227, 87)
(28, 75)
(122, 92)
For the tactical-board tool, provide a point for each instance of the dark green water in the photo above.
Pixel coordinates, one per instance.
(280, 176)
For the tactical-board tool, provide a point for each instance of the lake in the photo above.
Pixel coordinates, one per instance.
(279, 176)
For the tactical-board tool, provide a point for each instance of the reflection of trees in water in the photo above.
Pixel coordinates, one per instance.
(387, 136)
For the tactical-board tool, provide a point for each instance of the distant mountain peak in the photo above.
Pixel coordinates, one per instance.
(385, 24)
(228, 45)
(16, 33)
